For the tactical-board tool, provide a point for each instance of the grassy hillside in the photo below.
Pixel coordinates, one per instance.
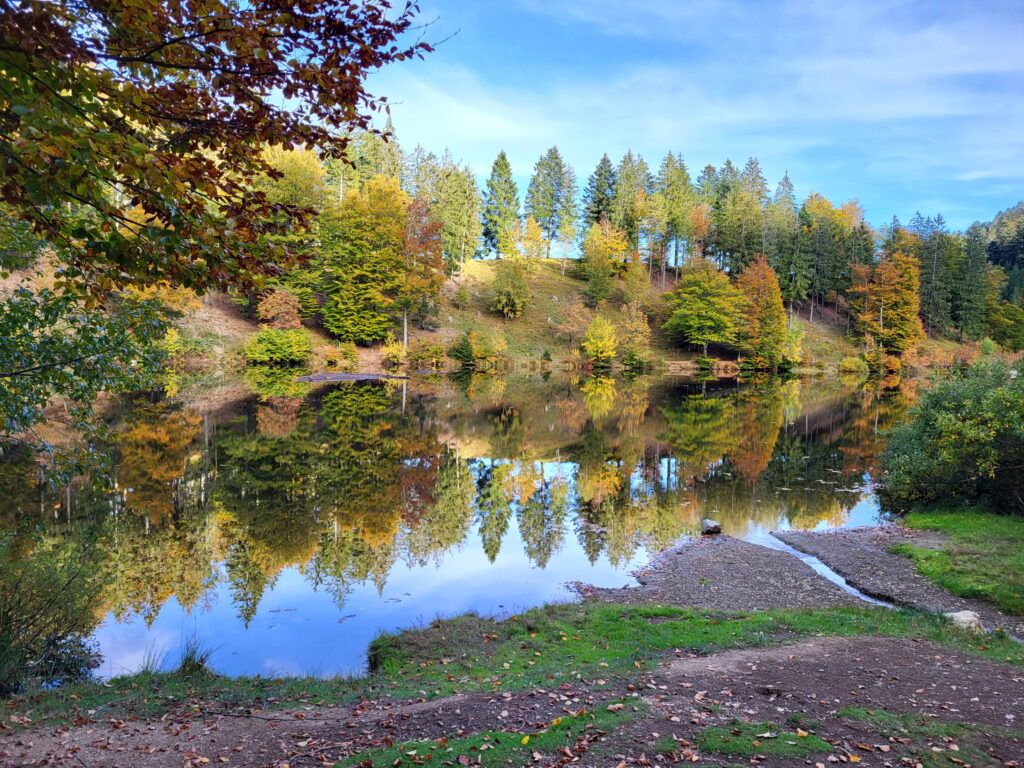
(534, 331)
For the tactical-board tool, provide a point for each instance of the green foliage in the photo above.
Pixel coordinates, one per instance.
(706, 307)
(964, 440)
(741, 739)
(501, 203)
(48, 600)
(269, 381)
(601, 342)
(983, 557)
(511, 293)
(852, 364)
(763, 335)
(52, 345)
(477, 350)
(392, 355)
(424, 355)
(274, 346)
(636, 283)
(599, 195)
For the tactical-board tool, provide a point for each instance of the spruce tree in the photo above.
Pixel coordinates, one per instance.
(969, 306)
(673, 184)
(501, 205)
(551, 196)
(599, 194)
(632, 184)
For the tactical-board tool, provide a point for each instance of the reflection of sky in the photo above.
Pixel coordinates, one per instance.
(299, 631)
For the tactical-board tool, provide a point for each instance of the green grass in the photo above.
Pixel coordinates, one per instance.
(496, 748)
(601, 640)
(983, 557)
(752, 739)
(604, 644)
(530, 334)
(924, 732)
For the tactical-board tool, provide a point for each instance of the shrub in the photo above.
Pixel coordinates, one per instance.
(424, 355)
(279, 309)
(391, 354)
(274, 346)
(511, 293)
(47, 608)
(964, 439)
(852, 364)
(269, 381)
(476, 350)
(601, 342)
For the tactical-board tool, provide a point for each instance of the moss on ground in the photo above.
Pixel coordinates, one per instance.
(752, 739)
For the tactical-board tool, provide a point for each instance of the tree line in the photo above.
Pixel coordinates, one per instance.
(691, 237)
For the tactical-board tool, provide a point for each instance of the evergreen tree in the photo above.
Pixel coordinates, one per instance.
(501, 203)
(458, 207)
(707, 181)
(599, 194)
(632, 184)
(604, 254)
(969, 304)
(551, 196)
(673, 184)
(511, 293)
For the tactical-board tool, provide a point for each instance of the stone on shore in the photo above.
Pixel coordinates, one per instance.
(966, 619)
(710, 527)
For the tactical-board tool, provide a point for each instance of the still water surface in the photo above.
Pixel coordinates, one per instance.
(287, 531)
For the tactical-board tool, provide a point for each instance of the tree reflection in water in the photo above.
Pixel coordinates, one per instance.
(345, 482)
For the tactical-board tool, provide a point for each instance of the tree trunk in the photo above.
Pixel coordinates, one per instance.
(405, 332)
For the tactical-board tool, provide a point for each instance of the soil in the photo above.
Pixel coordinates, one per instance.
(813, 680)
(861, 556)
(724, 573)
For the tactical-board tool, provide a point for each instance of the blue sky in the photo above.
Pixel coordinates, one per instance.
(904, 105)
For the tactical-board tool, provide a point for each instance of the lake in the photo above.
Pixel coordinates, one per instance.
(285, 531)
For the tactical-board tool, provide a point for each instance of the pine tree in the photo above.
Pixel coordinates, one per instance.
(599, 195)
(632, 183)
(706, 307)
(762, 336)
(551, 196)
(673, 184)
(501, 205)
(458, 206)
(969, 305)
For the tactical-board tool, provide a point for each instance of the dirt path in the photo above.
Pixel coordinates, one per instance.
(728, 574)
(941, 702)
(861, 556)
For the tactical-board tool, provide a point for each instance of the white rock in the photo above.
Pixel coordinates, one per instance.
(710, 527)
(966, 619)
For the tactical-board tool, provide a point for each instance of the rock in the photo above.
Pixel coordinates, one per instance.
(966, 619)
(710, 527)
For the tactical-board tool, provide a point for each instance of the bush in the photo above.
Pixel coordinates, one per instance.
(269, 381)
(48, 603)
(475, 350)
(391, 354)
(964, 440)
(274, 346)
(601, 342)
(424, 355)
(511, 293)
(854, 365)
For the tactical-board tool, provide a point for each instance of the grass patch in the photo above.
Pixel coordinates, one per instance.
(497, 748)
(753, 739)
(605, 644)
(925, 732)
(983, 557)
(609, 641)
